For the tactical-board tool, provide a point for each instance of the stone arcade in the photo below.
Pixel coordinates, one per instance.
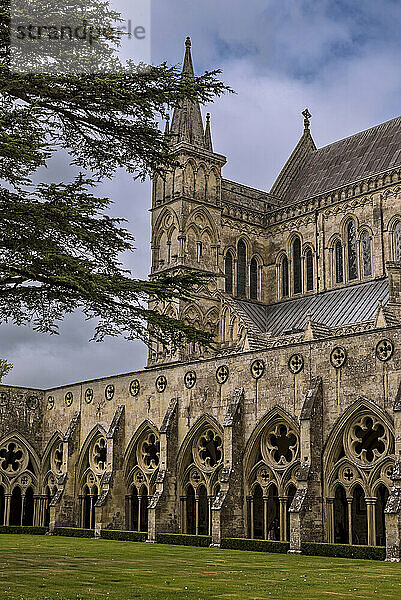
(292, 428)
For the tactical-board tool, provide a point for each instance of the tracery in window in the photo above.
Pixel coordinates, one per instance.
(254, 279)
(228, 271)
(309, 270)
(352, 251)
(297, 266)
(366, 254)
(284, 277)
(241, 269)
(339, 262)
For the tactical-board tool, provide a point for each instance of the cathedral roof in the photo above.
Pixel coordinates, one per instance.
(349, 160)
(333, 308)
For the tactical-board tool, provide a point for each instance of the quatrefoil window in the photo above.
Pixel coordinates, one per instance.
(338, 357)
(368, 439)
(384, 350)
(257, 369)
(12, 458)
(280, 445)
(296, 363)
(100, 454)
(150, 452)
(209, 450)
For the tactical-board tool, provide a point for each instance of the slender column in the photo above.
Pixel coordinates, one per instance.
(251, 513)
(139, 512)
(7, 506)
(349, 501)
(283, 518)
(22, 508)
(128, 509)
(91, 520)
(196, 515)
(37, 511)
(330, 520)
(209, 502)
(371, 517)
(265, 517)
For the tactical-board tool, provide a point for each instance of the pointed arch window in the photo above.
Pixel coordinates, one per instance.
(284, 277)
(366, 254)
(309, 270)
(228, 271)
(241, 269)
(397, 242)
(352, 251)
(254, 279)
(339, 262)
(297, 266)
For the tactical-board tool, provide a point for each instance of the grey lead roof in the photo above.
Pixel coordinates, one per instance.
(346, 161)
(334, 308)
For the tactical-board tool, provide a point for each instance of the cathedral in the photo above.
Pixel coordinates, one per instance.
(290, 427)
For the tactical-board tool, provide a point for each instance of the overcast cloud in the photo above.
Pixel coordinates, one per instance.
(340, 58)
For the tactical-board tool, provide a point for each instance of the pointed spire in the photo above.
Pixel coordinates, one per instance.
(187, 125)
(208, 134)
(167, 128)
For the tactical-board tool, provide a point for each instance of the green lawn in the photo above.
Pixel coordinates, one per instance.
(60, 568)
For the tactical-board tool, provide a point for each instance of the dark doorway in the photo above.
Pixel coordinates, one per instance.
(16, 506)
(359, 517)
(190, 510)
(203, 512)
(381, 501)
(340, 517)
(258, 512)
(87, 509)
(273, 514)
(28, 507)
(134, 509)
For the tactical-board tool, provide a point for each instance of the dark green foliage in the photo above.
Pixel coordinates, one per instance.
(74, 532)
(59, 250)
(26, 529)
(344, 551)
(182, 539)
(129, 536)
(255, 545)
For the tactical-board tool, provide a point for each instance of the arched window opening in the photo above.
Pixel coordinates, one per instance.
(258, 512)
(228, 271)
(2, 505)
(352, 251)
(366, 254)
(203, 524)
(88, 507)
(47, 511)
(254, 279)
(340, 516)
(382, 495)
(397, 242)
(290, 496)
(27, 518)
(190, 511)
(273, 514)
(241, 269)
(143, 512)
(309, 270)
(359, 517)
(16, 507)
(339, 262)
(284, 277)
(297, 266)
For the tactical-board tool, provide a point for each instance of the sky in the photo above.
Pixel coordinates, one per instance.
(339, 58)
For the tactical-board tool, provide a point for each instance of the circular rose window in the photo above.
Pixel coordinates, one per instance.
(367, 439)
(280, 445)
(208, 450)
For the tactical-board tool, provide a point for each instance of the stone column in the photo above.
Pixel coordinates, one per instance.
(139, 512)
(371, 517)
(196, 515)
(183, 514)
(22, 508)
(7, 506)
(349, 501)
(283, 518)
(251, 517)
(128, 512)
(209, 504)
(265, 517)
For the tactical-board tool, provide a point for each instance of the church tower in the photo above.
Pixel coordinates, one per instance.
(186, 209)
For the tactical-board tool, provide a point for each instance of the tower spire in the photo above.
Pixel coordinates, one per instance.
(186, 124)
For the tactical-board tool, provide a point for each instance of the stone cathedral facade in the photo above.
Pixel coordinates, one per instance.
(291, 428)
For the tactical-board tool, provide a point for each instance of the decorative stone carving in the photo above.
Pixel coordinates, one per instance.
(296, 363)
(338, 357)
(366, 440)
(280, 445)
(384, 350)
(148, 454)
(208, 450)
(161, 383)
(189, 379)
(109, 392)
(68, 398)
(257, 369)
(13, 458)
(88, 395)
(222, 374)
(134, 387)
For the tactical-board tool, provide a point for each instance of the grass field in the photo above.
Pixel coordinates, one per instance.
(60, 568)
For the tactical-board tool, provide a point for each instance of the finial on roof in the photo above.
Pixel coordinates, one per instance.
(307, 116)
(188, 42)
(380, 301)
(208, 134)
(167, 128)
